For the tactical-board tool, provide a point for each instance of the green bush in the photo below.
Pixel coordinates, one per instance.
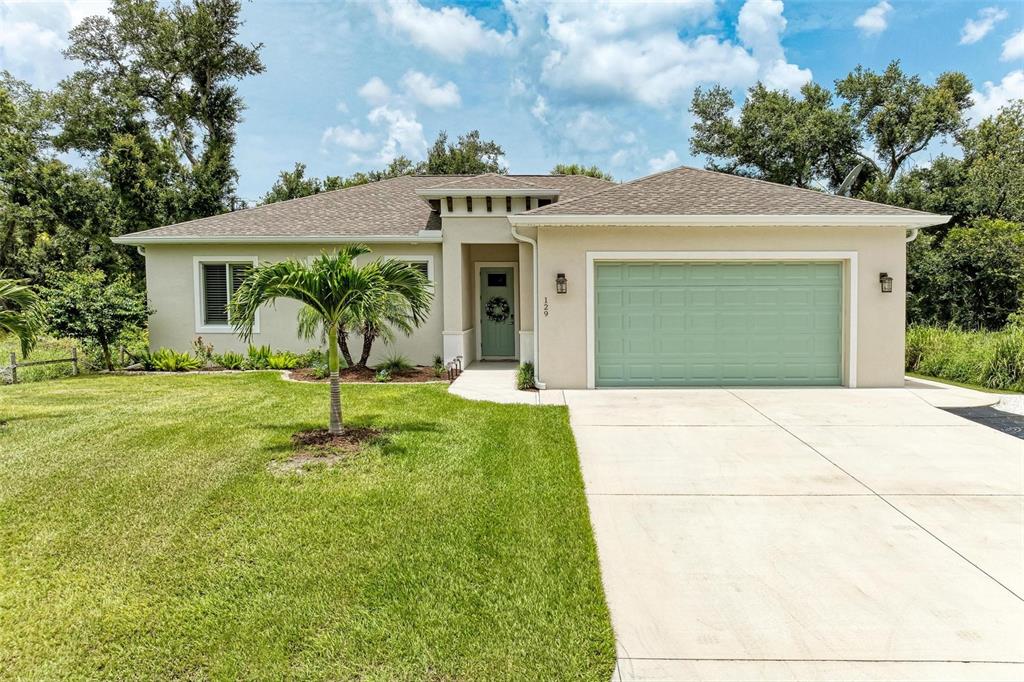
(259, 357)
(395, 364)
(283, 360)
(383, 376)
(524, 377)
(314, 357)
(983, 358)
(168, 360)
(230, 360)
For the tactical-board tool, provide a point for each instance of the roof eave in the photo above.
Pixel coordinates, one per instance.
(423, 237)
(725, 220)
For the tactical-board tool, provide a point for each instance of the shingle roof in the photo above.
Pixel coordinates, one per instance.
(693, 191)
(385, 208)
(486, 181)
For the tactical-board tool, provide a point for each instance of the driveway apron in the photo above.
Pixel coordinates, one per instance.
(804, 534)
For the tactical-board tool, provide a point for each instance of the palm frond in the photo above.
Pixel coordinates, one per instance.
(20, 313)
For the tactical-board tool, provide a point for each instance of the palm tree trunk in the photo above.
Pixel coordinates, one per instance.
(343, 344)
(368, 337)
(332, 365)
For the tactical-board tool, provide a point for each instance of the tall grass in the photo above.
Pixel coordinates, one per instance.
(983, 358)
(47, 348)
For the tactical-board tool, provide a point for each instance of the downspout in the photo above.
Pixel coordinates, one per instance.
(913, 234)
(536, 306)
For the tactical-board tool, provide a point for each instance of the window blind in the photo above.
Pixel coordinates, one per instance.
(215, 293)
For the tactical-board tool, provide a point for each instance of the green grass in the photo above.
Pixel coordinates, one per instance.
(976, 387)
(142, 537)
(989, 359)
(47, 348)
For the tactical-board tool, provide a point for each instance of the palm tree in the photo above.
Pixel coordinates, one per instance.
(401, 303)
(333, 290)
(19, 312)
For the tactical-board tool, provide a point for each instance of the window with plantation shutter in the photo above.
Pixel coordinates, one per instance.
(215, 293)
(219, 282)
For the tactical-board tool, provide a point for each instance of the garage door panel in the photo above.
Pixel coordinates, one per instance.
(673, 324)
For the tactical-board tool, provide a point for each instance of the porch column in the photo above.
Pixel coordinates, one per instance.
(457, 333)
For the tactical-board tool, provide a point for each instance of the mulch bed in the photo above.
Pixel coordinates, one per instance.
(318, 447)
(365, 374)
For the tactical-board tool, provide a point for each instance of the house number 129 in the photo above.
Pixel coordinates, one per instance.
(547, 308)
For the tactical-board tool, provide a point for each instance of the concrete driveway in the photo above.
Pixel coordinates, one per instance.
(801, 534)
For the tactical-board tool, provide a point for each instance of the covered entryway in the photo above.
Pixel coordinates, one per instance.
(716, 323)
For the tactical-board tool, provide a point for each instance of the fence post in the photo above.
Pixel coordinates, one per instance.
(121, 348)
(74, 360)
(14, 368)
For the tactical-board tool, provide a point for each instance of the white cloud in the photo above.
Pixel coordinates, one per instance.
(760, 28)
(626, 51)
(375, 91)
(342, 107)
(517, 87)
(993, 96)
(427, 90)
(1013, 48)
(449, 32)
(663, 162)
(875, 20)
(350, 138)
(404, 133)
(540, 109)
(32, 36)
(589, 132)
(976, 29)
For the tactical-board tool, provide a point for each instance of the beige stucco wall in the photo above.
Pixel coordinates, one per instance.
(468, 241)
(171, 290)
(880, 327)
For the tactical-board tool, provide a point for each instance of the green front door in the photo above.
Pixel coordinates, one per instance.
(709, 323)
(497, 313)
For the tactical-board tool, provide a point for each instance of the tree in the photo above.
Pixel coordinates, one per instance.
(333, 290)
(52, 217)
(994, 162)
(580, 169)
(778, 137)
(19, 312)
(156, 105)
(981, 274)
(294, 184)
(900, 114)
(85, 306)
(470, 156)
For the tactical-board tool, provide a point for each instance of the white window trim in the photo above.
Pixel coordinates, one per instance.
(847, 258)
(418, 258)
(197, 274)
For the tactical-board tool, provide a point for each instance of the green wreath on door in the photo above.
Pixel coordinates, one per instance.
(497, 309)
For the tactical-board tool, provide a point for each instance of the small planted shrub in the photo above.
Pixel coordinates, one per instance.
(383, 376)
(320, 370)
(524, 377)
(283, 360)
(230, 360)
(313, 357)
(203, 350)
(395, 364)
(259, 357)
(168, 360)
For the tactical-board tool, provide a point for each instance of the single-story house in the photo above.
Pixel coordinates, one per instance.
(683, 278)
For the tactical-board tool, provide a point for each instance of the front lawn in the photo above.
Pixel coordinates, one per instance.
(142, 536)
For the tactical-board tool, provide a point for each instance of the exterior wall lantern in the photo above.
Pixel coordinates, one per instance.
(561, 283)
(886, 281)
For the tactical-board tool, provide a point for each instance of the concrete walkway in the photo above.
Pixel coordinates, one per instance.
(496, 382)
(805, 534)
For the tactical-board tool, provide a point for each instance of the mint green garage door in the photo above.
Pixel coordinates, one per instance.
(710, 323)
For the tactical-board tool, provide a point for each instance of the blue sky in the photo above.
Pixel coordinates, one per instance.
(351, 84)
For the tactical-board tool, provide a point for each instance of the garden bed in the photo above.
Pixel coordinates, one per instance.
(362, 375)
